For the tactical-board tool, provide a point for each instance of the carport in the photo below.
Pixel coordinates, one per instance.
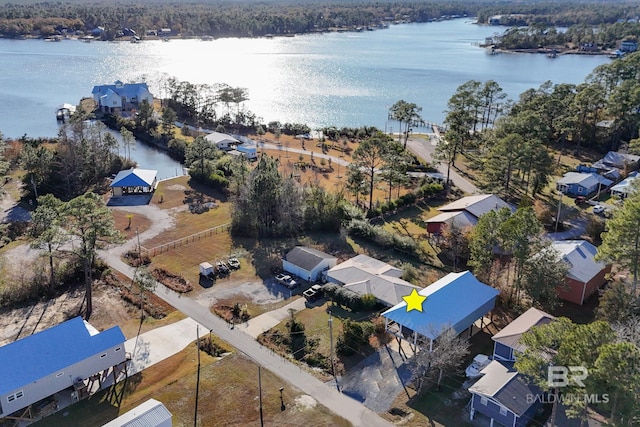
(456, 301)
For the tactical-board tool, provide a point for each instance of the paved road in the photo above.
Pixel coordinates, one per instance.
(342, 405)
(424, 149)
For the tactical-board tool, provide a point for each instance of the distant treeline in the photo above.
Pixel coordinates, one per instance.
(249, 19)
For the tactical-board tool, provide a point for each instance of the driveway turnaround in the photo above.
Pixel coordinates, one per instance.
(268, 320)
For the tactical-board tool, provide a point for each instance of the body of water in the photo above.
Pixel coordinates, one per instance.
(332, 79)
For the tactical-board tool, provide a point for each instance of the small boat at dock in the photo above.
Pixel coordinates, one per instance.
(64, 112)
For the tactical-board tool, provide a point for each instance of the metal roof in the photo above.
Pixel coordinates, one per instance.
(587, 180)
(625, 186)
(148, 414)
(477, 205)
(134, 178)
(455, 301)
(306, 258)
(128, 90)
(580, 256)
(217, 138)
(510, 334)
(460, 219)
(52, 350)
(368, 264)
(502, 383)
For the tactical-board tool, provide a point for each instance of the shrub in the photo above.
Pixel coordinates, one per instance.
(368, 301)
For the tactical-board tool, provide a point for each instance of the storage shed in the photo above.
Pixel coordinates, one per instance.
(148, 414)
(307, 263)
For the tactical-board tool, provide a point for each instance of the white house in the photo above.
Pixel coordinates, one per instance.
(365, 275)
(120, 96)
(624, 187)
(307, 263)
(222, 140)
(59, 363)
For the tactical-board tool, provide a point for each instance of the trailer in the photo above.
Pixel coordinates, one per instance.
(206, 269)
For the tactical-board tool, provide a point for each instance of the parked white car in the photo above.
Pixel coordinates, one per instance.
(598, 209)
(479, 363)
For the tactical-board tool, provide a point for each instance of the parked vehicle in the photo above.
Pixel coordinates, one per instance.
(221, 268)
(234, 263)
(580, 200)
(313, 293)
(285, 279)
(598, 210)
(479, 363)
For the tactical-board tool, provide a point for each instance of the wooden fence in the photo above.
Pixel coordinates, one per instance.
(186, 240)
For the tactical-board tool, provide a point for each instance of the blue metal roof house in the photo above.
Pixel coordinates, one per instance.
(120, 96)
(58, 364)
(505, 396)
(456, 301)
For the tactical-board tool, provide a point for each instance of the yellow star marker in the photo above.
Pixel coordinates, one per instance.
(414, 301)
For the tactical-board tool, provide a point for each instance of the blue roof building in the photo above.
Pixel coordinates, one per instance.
(456, 301)
(64, 356)
(120, 96)
(134, 181)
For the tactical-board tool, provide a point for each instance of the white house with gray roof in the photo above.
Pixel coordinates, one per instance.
(307, 263)
(465, 212)
(365, 275)
(151, 413)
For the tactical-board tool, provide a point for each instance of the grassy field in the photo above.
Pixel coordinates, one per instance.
(227, 394)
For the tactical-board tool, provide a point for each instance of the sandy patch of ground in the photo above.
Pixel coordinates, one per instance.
(256, 291)
(176, 187)
(305, 401)
(108, 310)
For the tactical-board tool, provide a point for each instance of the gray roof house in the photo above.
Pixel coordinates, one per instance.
(64, 360)
(503, 395)
(466, 211)
(222, 140)
(307, 263)
(365, 275)
(614, 159)
(585, 275)
(507, 341)
(581, 184)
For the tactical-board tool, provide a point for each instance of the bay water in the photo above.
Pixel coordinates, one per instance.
(332, 79)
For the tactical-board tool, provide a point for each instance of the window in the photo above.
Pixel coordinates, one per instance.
(59, 374)
(14, 396)
(483, 401)
(503, 412)
(579, 189)
(102, 356)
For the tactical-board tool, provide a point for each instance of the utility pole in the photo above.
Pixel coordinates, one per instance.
(260, 395)
(333, 366)
(195, 413)
(559, 209)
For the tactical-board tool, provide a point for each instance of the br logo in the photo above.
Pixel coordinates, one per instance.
(560, 376)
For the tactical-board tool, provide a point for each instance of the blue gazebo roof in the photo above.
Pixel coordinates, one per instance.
(455, 301)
